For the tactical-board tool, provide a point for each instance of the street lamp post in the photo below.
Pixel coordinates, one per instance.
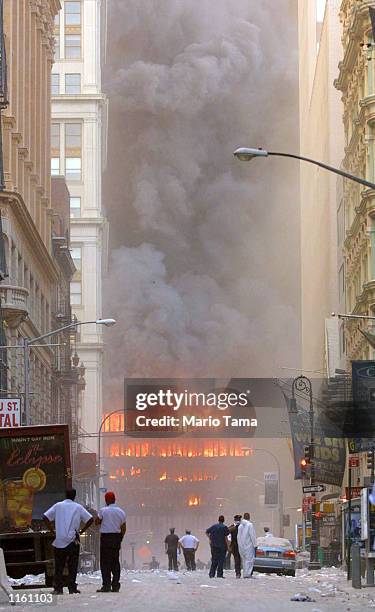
(247, 154)
(99, 452)
(30, 341)
(303, 384)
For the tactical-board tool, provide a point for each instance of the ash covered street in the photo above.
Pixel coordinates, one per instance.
(143, 591)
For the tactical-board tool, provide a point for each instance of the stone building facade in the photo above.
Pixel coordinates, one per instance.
(39, 263)
(356, 81)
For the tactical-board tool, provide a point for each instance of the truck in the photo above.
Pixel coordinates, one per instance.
(35, 471)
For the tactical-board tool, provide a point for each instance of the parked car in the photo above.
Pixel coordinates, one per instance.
(275, 555)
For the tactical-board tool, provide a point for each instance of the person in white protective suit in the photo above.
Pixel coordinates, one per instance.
(247, 541)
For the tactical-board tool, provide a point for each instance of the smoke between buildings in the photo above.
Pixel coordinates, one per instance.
(203, 272)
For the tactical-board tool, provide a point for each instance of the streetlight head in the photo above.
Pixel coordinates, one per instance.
(106, 322)
(246, 154)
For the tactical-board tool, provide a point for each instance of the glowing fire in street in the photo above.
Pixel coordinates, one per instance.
(194, 500)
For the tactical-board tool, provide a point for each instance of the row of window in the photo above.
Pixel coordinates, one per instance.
(72, 168)
(72, 84)
(70, 30)
(20, 275)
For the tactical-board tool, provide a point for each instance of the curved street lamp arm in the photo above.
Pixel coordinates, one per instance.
(347, 175)
(58, 330)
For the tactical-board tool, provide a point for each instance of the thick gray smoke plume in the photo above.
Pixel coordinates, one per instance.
(203, 274)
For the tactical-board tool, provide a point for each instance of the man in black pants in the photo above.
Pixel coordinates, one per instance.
(171, 546)
(233, 549)
(112, 521)
(218, 536)
(67, 516)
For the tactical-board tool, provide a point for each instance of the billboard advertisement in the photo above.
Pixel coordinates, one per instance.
(34, 473)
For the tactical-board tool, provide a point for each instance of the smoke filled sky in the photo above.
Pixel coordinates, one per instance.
(204, 261)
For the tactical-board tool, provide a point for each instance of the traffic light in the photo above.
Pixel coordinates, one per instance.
(307, 453)
(370, 460)
(305, 462)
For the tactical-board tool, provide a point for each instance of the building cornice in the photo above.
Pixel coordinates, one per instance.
(356, 22)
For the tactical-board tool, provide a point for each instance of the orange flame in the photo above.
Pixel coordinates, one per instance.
(194, 500)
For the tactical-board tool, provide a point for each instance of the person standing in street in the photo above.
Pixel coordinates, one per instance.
(233, 532)
(218, 537)
(247, 541)
(67, 516)
(171, 546)
(112, 521)
(189, 545)
(267, 533)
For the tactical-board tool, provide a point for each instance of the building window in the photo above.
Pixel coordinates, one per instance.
(57, 37)
(73, 83)
(55, 139)
(72, 46)
(342, 340)
(75, 293)
(72, 13)
(76, 253)
(55, 82)
(75, 207)
(72, 138)
(341, 281)
(55, 166)
(73, 168)
(73, 149)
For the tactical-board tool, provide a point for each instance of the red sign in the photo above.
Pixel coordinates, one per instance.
(356, 492)
(306, 503)
(353, 462)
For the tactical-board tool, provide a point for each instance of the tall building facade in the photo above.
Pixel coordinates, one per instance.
(356, 82)
(322, 139)
(36, 251)
(78, 141)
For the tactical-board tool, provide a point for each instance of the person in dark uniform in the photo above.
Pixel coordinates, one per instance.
(218, 536)
(171, 546)
(112, 521)
(233, 531)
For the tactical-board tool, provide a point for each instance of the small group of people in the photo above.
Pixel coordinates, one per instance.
(188, 544)
(239, 539)
(64, 520)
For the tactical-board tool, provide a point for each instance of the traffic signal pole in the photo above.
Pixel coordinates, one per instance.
(303, 384)
(349, 538)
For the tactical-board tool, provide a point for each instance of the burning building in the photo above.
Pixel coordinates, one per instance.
(177, 482)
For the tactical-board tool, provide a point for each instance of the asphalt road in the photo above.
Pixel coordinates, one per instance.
(147, 591)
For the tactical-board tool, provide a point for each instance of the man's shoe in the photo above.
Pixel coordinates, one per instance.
(57, 592)
(116, 589)
(103, 590)
(74, 592)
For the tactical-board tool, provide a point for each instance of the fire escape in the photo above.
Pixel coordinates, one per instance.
(3, 266)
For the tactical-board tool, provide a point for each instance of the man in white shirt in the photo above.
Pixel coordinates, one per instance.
(112, 521)
(189, 545)
(267, 533)
(247, 542)
(67, 516)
